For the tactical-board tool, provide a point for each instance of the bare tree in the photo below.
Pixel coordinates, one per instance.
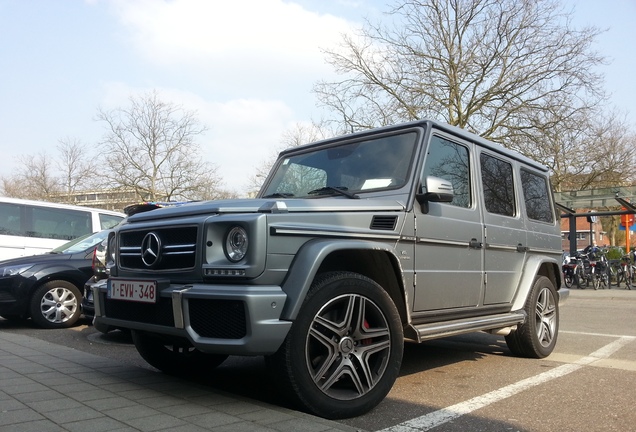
(75, 167)
(508, 70)
(298, 134)
(150, 148)
(34, 180)
(589, 152)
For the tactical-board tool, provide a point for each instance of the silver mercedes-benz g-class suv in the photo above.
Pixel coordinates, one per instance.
(353, 245)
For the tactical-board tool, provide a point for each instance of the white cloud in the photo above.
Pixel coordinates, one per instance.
(246, 66)
(194, 31)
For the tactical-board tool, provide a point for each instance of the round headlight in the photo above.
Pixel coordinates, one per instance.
(236, 244)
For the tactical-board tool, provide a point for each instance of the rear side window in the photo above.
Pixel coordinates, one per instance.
(107, 221)
(537, 196)
(497, 179)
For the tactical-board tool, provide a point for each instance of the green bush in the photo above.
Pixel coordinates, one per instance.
(614, 253)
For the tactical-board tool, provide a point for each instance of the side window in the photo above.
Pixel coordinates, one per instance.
(449, 160)
(498, 187)
(10, 220)
(60, 224)
(107, 221)
(537, 196)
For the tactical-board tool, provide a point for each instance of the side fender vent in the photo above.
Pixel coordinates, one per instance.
(386, 223)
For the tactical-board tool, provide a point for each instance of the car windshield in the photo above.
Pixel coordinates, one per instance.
(81, 243)
(345, 170)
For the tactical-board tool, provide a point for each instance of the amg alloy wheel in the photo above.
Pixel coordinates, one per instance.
(344, 351)
(537, 336)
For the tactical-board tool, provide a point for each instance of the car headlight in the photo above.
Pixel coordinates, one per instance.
(14, 270)
(236, 244)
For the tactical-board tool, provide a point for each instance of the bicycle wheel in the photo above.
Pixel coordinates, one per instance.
(605, 280)
(619, 276)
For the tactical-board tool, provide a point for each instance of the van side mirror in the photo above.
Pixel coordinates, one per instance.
(435, 189)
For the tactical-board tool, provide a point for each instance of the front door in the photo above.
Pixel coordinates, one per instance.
(449, 236)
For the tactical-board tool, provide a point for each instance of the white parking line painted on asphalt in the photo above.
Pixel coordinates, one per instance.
(439, 417)
(595, 334)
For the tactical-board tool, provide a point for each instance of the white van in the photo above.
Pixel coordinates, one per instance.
(33, 227)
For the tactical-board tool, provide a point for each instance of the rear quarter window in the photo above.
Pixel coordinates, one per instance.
(537, 196)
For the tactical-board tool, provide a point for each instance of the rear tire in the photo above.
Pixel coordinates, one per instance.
(174, 357)
(537, 336)
(344, 351)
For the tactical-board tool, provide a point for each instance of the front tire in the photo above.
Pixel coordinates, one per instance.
(56, 304)
(537, 336)
(344, 351)
(174, 357)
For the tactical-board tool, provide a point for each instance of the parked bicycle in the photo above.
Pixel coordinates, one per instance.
(585, 268)
(569, 268)
(600, 278)
(626, 272)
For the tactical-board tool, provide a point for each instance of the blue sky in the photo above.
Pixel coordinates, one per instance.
(234, 62)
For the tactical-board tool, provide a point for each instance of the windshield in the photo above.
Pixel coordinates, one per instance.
(371, 165)
(80, 244)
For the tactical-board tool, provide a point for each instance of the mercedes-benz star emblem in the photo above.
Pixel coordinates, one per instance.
(151, 249)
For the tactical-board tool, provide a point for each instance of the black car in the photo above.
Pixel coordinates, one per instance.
(48, 288)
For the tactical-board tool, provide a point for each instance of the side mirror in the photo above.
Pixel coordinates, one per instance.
(436, 190)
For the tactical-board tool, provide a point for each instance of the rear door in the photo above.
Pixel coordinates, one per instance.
(505, 231)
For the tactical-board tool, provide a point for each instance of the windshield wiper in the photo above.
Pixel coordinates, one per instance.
(331, 190)
(279, 195)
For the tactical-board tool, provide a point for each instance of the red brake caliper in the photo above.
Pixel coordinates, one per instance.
(367, 341)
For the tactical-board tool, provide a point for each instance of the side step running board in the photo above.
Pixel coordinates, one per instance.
(422, 332)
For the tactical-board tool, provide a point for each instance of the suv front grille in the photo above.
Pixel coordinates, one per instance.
(178, 248)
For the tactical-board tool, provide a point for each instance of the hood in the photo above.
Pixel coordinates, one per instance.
(339, 204)
(36, 259)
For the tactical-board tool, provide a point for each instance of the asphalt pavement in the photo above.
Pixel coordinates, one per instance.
(50, 387)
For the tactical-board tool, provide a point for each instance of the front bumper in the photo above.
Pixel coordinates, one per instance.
(88, 306)
(233, 320)
(14, 295)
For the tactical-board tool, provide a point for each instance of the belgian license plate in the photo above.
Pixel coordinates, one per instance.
(144, 291)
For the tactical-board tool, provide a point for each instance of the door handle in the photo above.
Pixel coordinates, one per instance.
(474, 244)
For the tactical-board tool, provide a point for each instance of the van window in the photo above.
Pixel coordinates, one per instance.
(449, 160)
(10, 219)
(536, 196)
(60, 224)
(108, 221)
(499, 193)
